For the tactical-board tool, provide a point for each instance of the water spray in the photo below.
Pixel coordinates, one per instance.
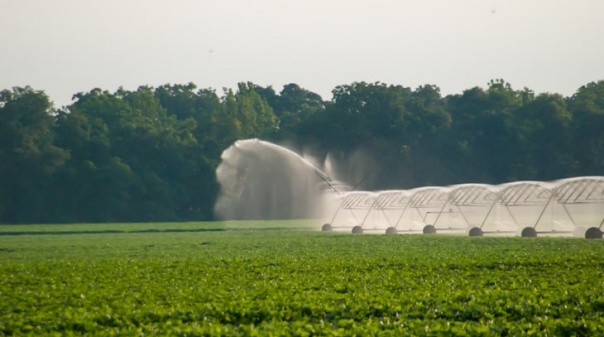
(324, 177)
(262, 180)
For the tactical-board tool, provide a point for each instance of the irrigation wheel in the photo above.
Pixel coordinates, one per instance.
(593, 233)
(529, 232)
(391, 230)
(429, 229)
(476, 231)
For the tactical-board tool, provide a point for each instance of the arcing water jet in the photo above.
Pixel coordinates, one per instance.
(262, 180)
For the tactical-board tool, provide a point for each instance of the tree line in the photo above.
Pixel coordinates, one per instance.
(151, 154)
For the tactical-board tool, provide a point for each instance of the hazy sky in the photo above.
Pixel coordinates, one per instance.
(69, 46)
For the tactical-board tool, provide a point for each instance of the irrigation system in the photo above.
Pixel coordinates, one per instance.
(262, 179)
(567, 207)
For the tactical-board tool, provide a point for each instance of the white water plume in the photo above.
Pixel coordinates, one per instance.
(262, 180)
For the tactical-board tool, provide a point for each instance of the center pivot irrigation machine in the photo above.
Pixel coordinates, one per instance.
(573, 206)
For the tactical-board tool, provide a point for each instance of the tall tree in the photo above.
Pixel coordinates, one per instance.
(131, 160)
(204, 106)
(366, 128)
(28, 157)
(246, 115)
(542, 128)
(587, 108)
(483, 132)
(428, 149)
(151, 154)
(292, 106)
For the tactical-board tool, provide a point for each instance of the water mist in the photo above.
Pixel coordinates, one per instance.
(262, 180)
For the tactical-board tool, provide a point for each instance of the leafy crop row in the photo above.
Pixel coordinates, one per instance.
(286, 283)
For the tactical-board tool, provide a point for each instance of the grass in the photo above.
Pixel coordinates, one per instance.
(258, 278)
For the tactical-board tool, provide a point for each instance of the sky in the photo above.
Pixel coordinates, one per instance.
(63, 47)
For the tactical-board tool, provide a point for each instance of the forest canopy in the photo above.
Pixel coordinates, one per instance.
(151, 154)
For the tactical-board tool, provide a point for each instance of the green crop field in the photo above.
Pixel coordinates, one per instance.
(277, 279)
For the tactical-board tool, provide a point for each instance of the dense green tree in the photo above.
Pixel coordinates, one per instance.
(365, 129)
(427, 151)
(28, 157)
(543, 148)
(292, 106)
(483, 132)
(90, 129)
(175, 176)
(204, 106)
(181, 101)
(131, 160)
(587, 108)
(151, 154)
(362, 111)
(245, 115)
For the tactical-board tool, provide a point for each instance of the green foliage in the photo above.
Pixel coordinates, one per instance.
(28, 155)
(284, 283)
(587, 108)
(129, 157)
(246, 114)
(151, 154)
(294, 107)
(542, 126)
(483, 129)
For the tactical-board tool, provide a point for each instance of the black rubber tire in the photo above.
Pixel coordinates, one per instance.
(475, 231)
(528, 232)
(357, 230)
(593, 233)
(326, 228)
(391, 230)
(429, 229)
